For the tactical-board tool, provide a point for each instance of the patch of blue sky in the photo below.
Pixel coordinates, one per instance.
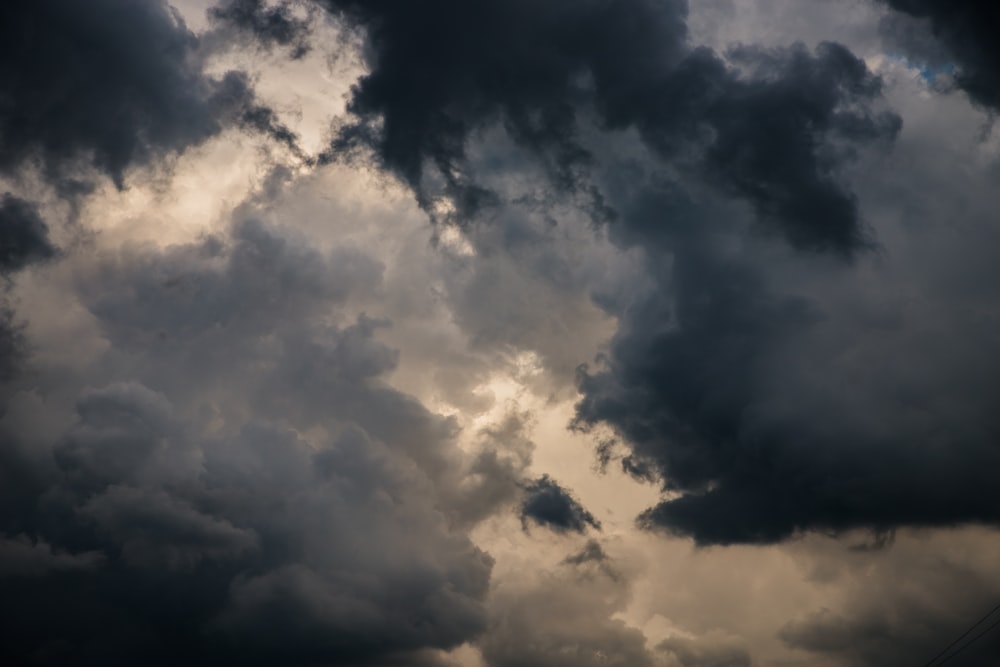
(931, 72)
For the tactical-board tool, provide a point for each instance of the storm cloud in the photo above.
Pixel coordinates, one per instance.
(271, 24)
(548, 504)
(686, 382)
(960, 42)
(24, 240)
(181, 511)
(108, 84)
(767, 410)
(760, 126)
(497, 333)
(24, 236)
(773, 128)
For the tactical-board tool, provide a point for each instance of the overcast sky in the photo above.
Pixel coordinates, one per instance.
(499, 333)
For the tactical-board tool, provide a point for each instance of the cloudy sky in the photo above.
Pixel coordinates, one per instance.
(499, 333)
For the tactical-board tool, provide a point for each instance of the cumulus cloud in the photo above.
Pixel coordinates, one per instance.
(624, 66)
(24, 236)
(762, 270)
(955, 36)
(22, 557)
(773, 129)
(109, 84)
(770, 406)
(24, 240)
(216, 520)
(879, 620)
(548, 504)
(271, 24)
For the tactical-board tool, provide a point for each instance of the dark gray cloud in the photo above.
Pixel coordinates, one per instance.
(767, 126)
(272, 24)
(686, 373)
(876, 638)
(774, 129)
(677, 395)
(24, 236)
(24, 240)
(548, 504)
(156, 530)
(108, 84)
(13, 346)
(965, 44)
(231, 476)
(749, 399)
(773, 401)
(314, 516)
(21, 557)
(686, 379)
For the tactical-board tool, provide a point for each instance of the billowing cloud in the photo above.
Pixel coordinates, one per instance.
(881, 621)
(24, 240)
(306, 518)
(21, 557)
(109, 84)
(720, 653)
(548, 504)
(24, 236)
(770, 406)
(683, 381)
(341, 408)
(545, 72)
(272, 24)
(960, 42)
(773, 129)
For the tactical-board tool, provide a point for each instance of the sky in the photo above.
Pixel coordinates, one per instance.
(499, 333)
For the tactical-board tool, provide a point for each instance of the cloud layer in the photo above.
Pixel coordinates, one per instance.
(576, 341)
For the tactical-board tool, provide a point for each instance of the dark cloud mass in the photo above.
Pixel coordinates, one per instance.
(761, 126)
(271, 24)
(686, 375)
(548, 504)
(24, 240)
(24, 236)
(692, 380)
(109, 83)
(965, 30)
(719, 384)
(177, 521)
(761, 291)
